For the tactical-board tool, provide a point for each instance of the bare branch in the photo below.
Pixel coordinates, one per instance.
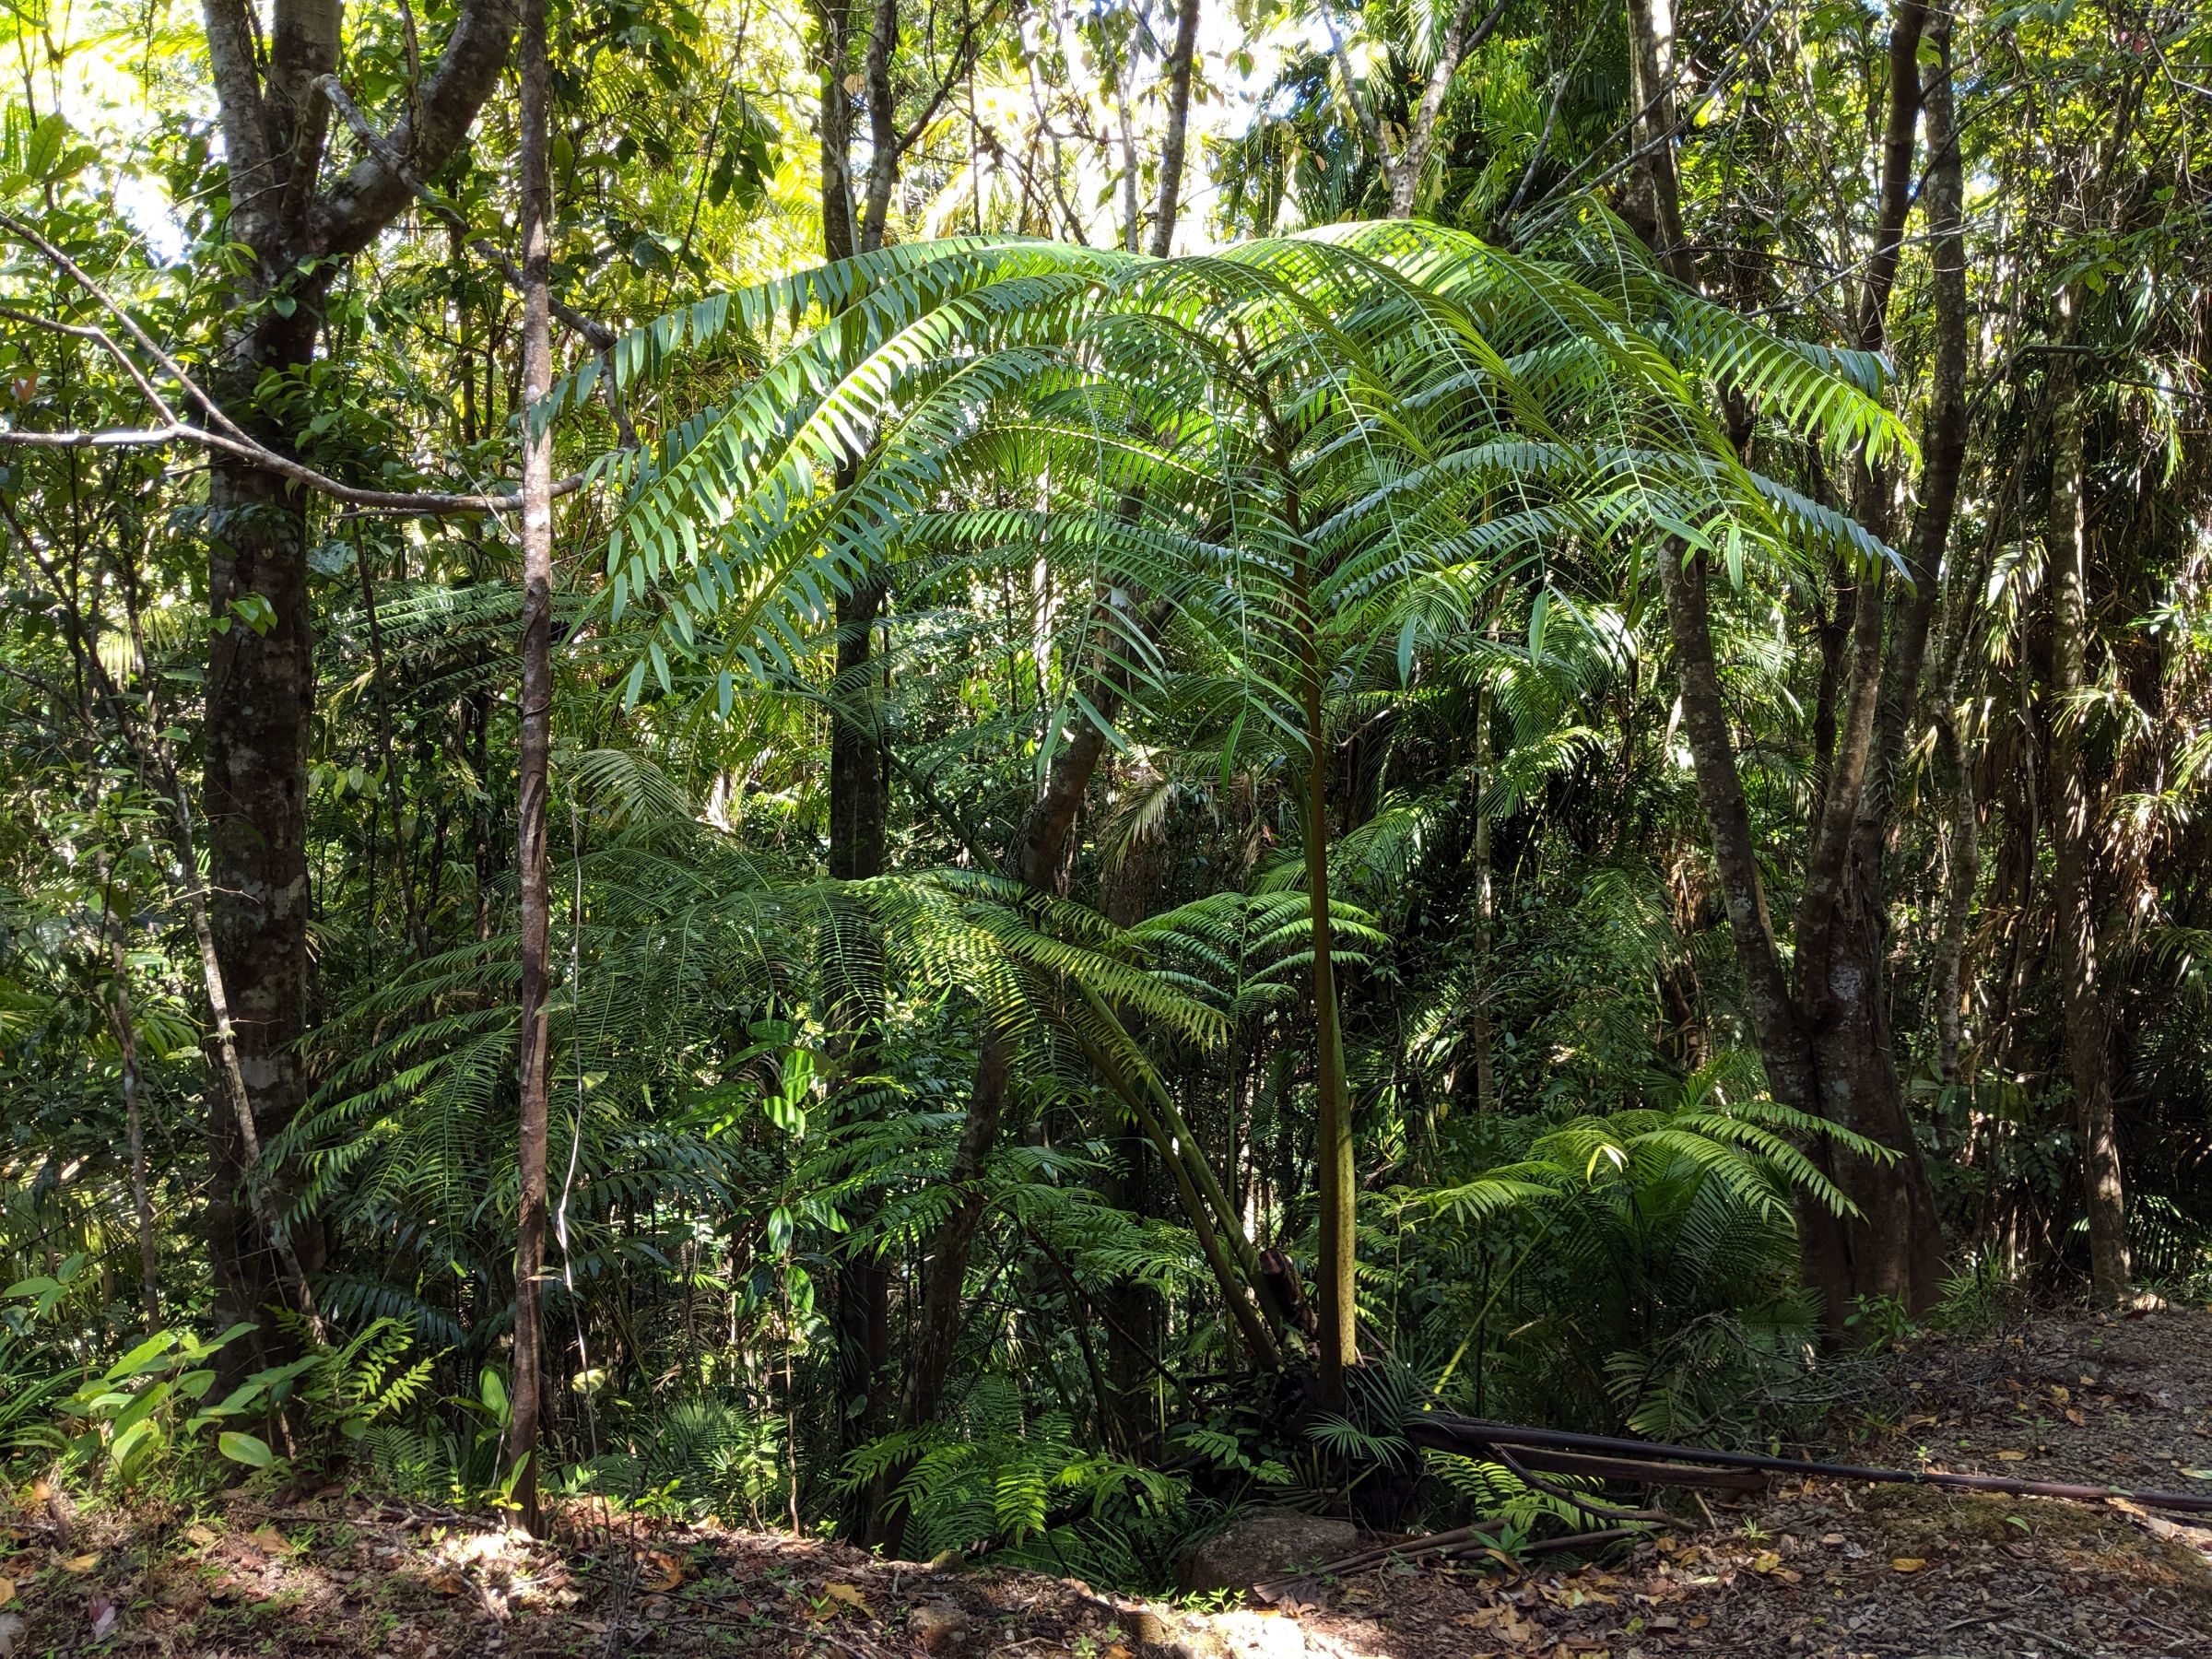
(77, 274)
(102, 338)
(384, 501)
(597, 335)
(231, 439)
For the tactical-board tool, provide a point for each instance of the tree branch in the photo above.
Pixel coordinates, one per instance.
(353, 209)
(230, 438)
(384, 501)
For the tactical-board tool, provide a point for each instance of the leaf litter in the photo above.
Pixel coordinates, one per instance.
(1819, 1570)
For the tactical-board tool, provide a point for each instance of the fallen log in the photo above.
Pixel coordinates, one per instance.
(1445, 1432)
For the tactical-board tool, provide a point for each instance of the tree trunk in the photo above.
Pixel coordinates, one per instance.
(1482, 1032)
(1335, 1174)
(1825, 1040)
(1173, 144)
(1133, 226)
(1946, 452)
(1035, 860)
(1134, 1310)
(260, 705)
(840, 237)
(260, 686)
(534, 777)
(858, 812)
(1894, 1247)
(859, 802)
(1421, 140)
(2074, 877)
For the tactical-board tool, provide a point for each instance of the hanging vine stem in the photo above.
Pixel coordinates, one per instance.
(568, 1179)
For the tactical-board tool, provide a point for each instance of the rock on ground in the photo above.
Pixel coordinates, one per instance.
(1262, 1544)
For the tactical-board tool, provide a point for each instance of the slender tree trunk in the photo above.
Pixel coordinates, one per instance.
(840, 235)
(126, 1049)
(533, 778)
(1961, 876)
(1894, 1247)
(1132, 225)
(1335, 1174)
(1173, 141)
(2074, 877)
(1035, 860)
(1683, 585)
(859, 802)
(1948, 419)
(858, 814)
(1482, 1024)
(1135, 1313)
(1421, 140)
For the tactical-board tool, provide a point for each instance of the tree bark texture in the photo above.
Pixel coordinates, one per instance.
(1168, 207)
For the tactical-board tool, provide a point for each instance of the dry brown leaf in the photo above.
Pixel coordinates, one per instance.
(1514, 1629)
(667, 1571)
(448, 1582)
(1832, 1540)
(1921, 1421)
(2073, 1417)
(1697, 1621)
(84, 1563)
(1906, 1563)
(201, 1536)
(7, 1590)
(1767, 1560)
(848, 1594)
(2060, 1392)
(2012, 1456)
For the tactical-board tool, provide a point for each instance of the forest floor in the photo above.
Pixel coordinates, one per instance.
(1819, 1568)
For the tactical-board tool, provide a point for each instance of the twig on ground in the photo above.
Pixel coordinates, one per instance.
(2048, 1640)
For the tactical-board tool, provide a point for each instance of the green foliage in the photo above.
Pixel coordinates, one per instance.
(1651, 1251)
(1005, 1477)
(939, 517)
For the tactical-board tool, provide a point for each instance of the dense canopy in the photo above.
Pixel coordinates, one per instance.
(980, 775)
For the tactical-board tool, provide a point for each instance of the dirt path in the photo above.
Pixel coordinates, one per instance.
(1823, 1570)
(1835, 1570)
